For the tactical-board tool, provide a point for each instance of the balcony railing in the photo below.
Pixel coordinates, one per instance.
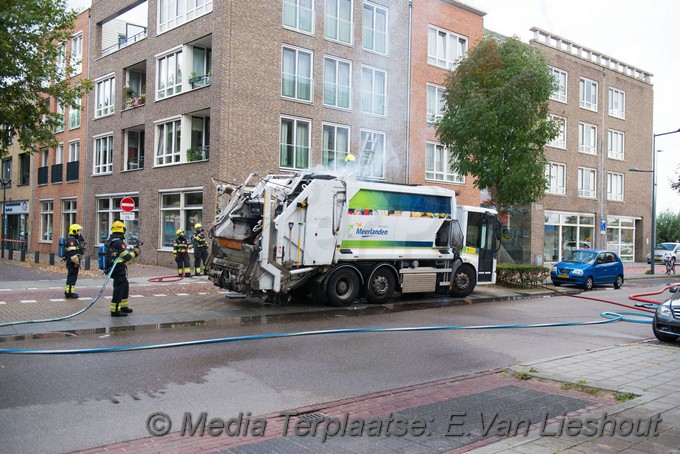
(42, 175)
(57, 173)
(198, 153)
(135, 163)
(72, 170)
(125, 42)
(134, 102)
(200, 81)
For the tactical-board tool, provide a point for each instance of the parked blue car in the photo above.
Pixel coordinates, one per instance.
(587, 268)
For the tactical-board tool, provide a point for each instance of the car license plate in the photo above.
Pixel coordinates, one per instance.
(563, 276)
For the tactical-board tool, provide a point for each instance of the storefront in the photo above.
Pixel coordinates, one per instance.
(621, 237)
(16, 224)
(565, 232)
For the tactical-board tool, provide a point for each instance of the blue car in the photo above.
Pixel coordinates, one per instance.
(587, 268)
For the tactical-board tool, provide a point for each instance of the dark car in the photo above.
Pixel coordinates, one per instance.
(587, 268)
(666, 324)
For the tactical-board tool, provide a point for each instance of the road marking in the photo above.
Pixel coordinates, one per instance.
(202, 293)
(136, 296)
(5, 289)
(2, 302)
(57, 300)
(27, 301)
(182, 294)
(159, 294)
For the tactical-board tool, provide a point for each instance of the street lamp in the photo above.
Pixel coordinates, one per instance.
(5, 182)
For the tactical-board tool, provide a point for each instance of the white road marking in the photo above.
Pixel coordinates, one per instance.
(27, 301)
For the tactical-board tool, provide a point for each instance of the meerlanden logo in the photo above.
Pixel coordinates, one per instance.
(380, 231)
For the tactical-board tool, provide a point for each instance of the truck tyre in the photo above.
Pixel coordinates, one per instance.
(343, 287)
(464, 281)
(380, 286)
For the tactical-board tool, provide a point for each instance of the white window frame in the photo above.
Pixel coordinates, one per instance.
(444, 48)
(105, 96)
(301, 151)
(615, 185)
(46, 220)
(560, 93)
(59, 154)
(44, 157)
(587, 94)
(561, 140)
(335, 89)
(74, 114)
(616, 145)
(102, 163)
(297, 74)
(437, 165)
(77, 54)
(183, 215)
(302, 14)
(339, 29)
(169, 78)
(61, 62)
(373, 99)
(375, 36)
(556, 174)
(617, 103)
(587, 138)
(173, 13)
(69, 211)
(435, 103)
(333, 152)
(74, 151)
(168, 142)
(60, 111)
(377, 163)
(587, 182)
(140, 150)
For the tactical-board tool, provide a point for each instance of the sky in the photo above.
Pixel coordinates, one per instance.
(641, 34)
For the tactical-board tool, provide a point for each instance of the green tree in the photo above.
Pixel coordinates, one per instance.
(32, 33)
(495, 122)
(668, 227)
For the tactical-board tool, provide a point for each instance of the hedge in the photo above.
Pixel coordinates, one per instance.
(522, 276)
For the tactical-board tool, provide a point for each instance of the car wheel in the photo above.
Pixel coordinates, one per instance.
(589, 283)
(618, 283)
(663, 337)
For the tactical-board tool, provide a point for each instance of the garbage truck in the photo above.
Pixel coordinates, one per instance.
(336, 239)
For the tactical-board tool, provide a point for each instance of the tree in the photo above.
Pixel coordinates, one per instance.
(32, 34)
(495, 122)
(668, 227)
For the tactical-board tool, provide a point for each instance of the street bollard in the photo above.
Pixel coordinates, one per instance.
(87, 262)
(23, 255)
(51, 258)
(37, 257)
(11, 254)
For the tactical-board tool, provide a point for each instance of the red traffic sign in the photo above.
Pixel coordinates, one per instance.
(127, 204)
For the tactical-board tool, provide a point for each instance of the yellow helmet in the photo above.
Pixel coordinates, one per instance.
(350, 157)
(118, 227)
(179, 232)
(198, 226)
(73, 230)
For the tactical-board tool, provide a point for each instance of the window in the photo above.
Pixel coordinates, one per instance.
(335, 146)
(134, 157)
(74, 151)
(296, 74)
(61, 62)
(180, 210)
(60, 122)
(586, 182)
(373, 91)
(103, 155)
(168, 139)
(201, 66)
(7, 169)
(560, 93)
(69, 209)
(173, 13)
(435, 103)
(561, 140)
(588, 94)
(339, 26)
(169, 75)
(59, 154)
(105, 98)
(77, 54)
(617, 103)
(555, 173)
(587, 138)
(299, 15)
(108, 210)
(200, 139)
(24, 169)
(438, 166)
(376, 164)
(375, 28)
(337, 83)
(295, 140)
(444, 48)
(44, 157)
(616, 144)
(74, 114)
(615, 186)
(134, 92)
(46, 220)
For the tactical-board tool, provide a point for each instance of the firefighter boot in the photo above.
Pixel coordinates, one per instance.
(123, 307)
(115, 310)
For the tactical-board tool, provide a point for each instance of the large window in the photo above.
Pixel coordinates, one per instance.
(108, 210)
(564, 232)
(46, 220)
(438, 165)
(74, 114)
(168, 140)
(296, 74)
(375, 141)
(299, 15)
(375, 28)
(560, 93)
(173, 13)
(105, 99)
(339, 25)
(169, 74)
(615, 186)
(373, 91)
(616, 145)
(74, 151)
(555, 174)
(621, 237)
(103, 155)
(337, 76)
(445, 49)
(587, 138)
(335, 146)
(180, 209)
(588, 94)
(586, 182)
(134, 157)
(435, 103)
(295, 139)
(561, 140)
(69, 209)
(617, 103)
(77, 54)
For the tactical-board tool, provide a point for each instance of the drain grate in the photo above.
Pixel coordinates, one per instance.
(311, 417)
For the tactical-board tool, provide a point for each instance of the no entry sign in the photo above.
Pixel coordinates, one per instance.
(127, 204)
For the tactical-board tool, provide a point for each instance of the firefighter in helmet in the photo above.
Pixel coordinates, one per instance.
(180, 252)
(75, 248)
(200, 250)
(121, 287)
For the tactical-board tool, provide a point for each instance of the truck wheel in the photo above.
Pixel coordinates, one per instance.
(464, 281)
(343, 287)
(380, 286)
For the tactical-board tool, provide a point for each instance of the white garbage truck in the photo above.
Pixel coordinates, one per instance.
(335, 239)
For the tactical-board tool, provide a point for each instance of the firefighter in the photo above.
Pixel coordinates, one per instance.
(75, 248)
(180, 252)
(121, 287)
(200, 250)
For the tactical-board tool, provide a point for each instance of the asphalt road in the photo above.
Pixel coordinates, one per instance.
(70, 402)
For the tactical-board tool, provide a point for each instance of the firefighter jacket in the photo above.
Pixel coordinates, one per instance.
(180, 246)
(117, 248)
(74, 248)
(199, 240)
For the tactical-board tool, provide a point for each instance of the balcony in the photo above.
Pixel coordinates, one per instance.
(72, 170)
(57, 173)
(124, 42)
(200, 81)
(198, 154)
(42, 175)
(132, 102)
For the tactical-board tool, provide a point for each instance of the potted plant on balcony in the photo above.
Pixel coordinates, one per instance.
(194, 154)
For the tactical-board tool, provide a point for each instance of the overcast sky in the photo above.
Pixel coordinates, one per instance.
(641, 34)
